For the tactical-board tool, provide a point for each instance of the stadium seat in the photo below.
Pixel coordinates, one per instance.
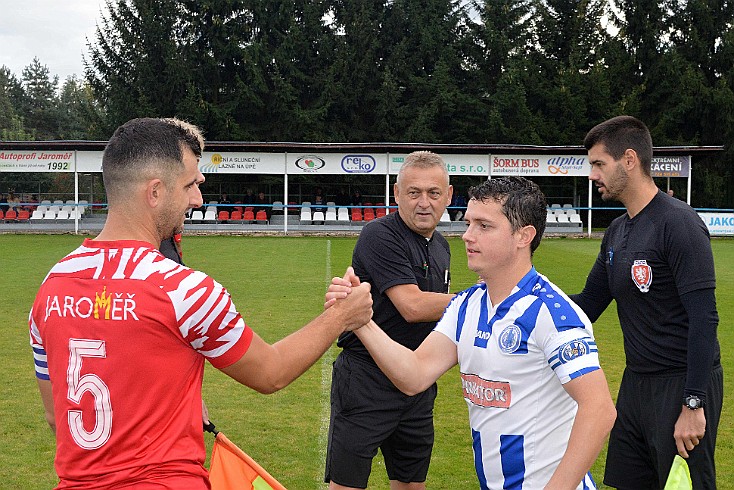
(380, 212)
(575, 219)
(248, 216)
(261, 217)
(37, 214)
(562, 218)
(24, 215)
(445, 218)
(50, 214)
(223, 216)
(356, 214)
(550, 217)
(342, 214)
(210, 216)
(305, 216)
(63, 214)
(197, 216)
(236, 215)
(317, 218)
(277, 207)
(369, 214)
(330, 216)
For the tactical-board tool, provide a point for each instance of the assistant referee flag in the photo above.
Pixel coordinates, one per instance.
(231, 468)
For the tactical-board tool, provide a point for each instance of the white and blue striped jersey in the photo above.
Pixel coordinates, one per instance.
(514, 359)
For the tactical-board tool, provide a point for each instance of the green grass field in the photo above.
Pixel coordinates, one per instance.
(278, 284)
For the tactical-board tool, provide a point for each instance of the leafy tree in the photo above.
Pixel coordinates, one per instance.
(39, 106)
(136, 65)
(11, 123)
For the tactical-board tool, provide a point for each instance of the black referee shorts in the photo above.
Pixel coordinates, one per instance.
(368, 412)
(641, 444)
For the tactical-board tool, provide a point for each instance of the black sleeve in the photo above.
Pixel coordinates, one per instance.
(703, 347)
(595, 296)
(169, 250)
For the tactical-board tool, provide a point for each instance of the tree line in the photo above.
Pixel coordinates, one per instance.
(435, 71)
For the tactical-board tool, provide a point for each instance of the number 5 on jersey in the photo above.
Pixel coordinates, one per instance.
(77, 386)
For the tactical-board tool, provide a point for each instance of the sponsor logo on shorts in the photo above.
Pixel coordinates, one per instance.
(484, 393)
(642, 275)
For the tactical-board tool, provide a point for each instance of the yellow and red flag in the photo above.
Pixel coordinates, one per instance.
(233, 469)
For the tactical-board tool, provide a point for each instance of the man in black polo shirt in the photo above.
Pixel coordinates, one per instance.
(407, 263)
(656, 262)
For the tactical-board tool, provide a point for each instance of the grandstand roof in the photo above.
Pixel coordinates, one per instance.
(375, 147)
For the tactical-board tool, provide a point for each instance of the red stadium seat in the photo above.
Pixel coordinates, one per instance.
(24, 215)
(236, 215)
(356, 214)
(261, 217)
(369, 214)
(380, 212)
(248, 216)
(11, 215)
(223, 216)
(2, 215)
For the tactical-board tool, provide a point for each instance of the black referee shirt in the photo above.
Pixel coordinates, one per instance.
(387, 254)
(646, 263)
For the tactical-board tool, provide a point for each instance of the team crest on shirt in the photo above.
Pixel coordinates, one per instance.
(572, 350)
(642, 275)
(510, 338)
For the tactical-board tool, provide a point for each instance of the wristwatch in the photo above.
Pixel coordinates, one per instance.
(693, 402)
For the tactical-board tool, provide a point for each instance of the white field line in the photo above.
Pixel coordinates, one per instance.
(326, 362)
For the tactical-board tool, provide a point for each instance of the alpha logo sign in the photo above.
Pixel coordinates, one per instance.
(540, 165)
(358, 164)
(310, 163)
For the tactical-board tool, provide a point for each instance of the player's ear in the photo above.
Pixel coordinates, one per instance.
(526, 234)
(154, 192)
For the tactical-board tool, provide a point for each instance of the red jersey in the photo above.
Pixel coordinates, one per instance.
(122, 333)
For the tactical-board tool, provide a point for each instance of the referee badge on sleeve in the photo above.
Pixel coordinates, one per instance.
(642, 275)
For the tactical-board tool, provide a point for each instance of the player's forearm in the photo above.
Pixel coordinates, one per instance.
(44, 387)
(425, 307)
(297, 352)
(399, 363)
(594, 421)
